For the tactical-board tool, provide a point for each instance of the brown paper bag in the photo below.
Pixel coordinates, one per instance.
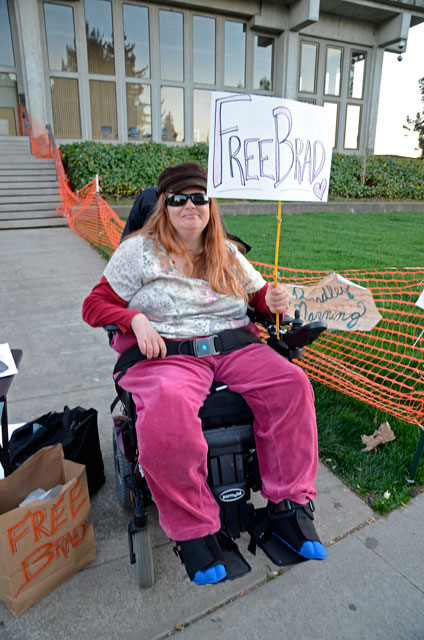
(44, 542)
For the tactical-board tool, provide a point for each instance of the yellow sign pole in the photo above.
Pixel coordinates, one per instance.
(277, 245)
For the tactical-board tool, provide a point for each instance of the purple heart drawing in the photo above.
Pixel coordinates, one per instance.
(319, 188)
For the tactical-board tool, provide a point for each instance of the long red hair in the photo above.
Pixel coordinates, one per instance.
(217, 263)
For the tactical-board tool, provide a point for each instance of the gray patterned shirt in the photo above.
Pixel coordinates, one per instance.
(177, 306)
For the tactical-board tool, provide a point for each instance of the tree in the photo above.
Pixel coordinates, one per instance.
(417, 123)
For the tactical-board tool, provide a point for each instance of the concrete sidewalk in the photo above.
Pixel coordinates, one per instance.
(371, 585)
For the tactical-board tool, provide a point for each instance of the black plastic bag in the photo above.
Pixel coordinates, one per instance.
(77, 431)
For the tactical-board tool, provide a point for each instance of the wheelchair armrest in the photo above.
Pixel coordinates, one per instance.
(299, 337)
(112, 328)
(295, 337)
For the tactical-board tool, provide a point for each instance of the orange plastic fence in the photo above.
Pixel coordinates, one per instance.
(382, 367)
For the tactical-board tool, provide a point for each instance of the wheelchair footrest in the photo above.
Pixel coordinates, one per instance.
(236, 564)
(277, 551)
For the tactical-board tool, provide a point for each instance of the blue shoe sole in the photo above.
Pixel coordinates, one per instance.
(210, 576)
(311, 549)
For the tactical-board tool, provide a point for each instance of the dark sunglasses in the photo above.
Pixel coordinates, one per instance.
(180, 199)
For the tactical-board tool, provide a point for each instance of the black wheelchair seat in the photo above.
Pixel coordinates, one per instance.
(224, 407)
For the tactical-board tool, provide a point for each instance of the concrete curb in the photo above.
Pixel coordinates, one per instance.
(350, 206)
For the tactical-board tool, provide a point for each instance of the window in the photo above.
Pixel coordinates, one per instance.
(204, 50)
(136, 41)
(172, 111)
(99, 29)
(262, 62)
(63, 65)
(308, 67)
(234, 54)
(357, 74)
(171, 45)
(334, 80)
(139, 111)
(333, 71)
(6, 48)
(66, 107)
(332, 108)
(353, 119)
(60, 34)
(147, 68)
(103, 109)
(201, 115)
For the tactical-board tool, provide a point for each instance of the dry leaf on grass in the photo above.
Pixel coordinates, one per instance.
(382, 435)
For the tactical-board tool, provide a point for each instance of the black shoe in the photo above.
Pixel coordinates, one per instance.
(203, 559)
(292, 524)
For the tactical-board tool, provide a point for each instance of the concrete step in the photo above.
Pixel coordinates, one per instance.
(32, 224)
(17, 139)
(29, 190)
(29, 198)
(29, 214)
(7, 151)
(8, 147)
(34, 202)
(27, 163)
(27, 159)
(29, 179)
(48, 189)
(33, 206)
(29, 174)
(24, 186)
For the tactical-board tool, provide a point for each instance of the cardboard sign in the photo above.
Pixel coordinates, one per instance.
(267, 148)
(45, 542)
(340, 303)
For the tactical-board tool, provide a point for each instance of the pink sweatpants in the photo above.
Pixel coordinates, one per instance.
(168, 394)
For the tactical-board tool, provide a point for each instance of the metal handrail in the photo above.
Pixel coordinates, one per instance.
(52, 140)
(27, 124)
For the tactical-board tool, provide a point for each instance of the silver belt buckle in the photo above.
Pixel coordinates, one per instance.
(205, 346)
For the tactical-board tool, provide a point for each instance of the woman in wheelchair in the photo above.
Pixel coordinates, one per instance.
(176, 279)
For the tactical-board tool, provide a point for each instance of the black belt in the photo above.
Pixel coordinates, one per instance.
(218, 343)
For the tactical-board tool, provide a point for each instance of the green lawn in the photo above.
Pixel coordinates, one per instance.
(337, 241)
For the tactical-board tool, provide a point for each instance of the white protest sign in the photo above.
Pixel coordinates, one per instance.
(267, 148)
(340, 303)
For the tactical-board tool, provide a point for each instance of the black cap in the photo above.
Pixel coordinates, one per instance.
(182, 176)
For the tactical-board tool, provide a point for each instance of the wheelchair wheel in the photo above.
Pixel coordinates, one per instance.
(122, 468)
(143, 558)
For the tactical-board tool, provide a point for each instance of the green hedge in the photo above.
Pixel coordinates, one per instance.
(385, 177)
(125, 169)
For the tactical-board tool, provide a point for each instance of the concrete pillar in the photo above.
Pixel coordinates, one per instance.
(376, 66)
(291, 64)
(30, 38)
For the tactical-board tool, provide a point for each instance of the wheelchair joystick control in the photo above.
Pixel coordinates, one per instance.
(297, 322)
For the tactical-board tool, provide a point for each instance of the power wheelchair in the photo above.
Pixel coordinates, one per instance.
(233, 470)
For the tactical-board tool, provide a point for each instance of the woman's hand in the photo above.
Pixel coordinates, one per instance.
(277, 298)
(149, 341)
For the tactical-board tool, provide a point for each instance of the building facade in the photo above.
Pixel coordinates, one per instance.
(128, 70)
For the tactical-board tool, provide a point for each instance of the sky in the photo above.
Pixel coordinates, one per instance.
(400, 97)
